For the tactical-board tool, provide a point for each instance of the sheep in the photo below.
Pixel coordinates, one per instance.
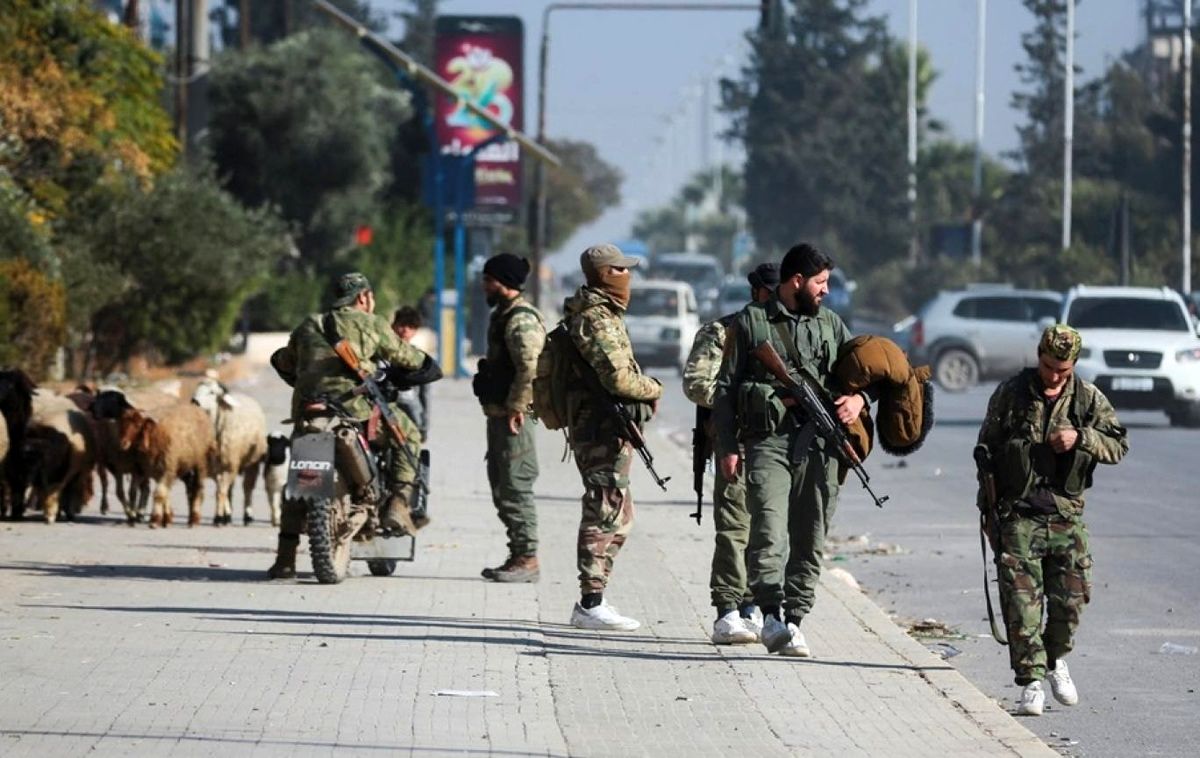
(240, 428)
(16, 405)
(106, 409)
(275, 472)
(59, 454)
(173, 442)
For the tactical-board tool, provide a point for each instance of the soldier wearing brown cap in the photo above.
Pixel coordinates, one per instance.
(594, 317)
(1045, 430)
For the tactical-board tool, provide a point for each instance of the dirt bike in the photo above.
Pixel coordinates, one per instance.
(339, 480)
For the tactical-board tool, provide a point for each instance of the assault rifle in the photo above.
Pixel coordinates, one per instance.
(989, 531)
(810, 404)
(626, 425)
(700, 454)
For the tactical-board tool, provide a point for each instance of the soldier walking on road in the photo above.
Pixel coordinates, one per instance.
(594, 318)
(504, 386)
(1045, 430)
(791, 473)
(739, 620)
(311, 367)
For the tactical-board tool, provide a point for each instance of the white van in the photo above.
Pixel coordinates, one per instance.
(663, 320)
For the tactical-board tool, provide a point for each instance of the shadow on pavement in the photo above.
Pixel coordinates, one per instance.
(210, 548)
(123, 571)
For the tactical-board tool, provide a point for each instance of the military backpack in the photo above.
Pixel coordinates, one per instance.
(554, 378)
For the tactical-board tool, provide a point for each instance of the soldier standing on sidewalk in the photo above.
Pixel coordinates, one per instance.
(594, 318)
(1046, 429)
(738, 619)
(504, 386)
(791, 475)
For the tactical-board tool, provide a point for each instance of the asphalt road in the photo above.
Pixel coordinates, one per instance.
(918, 558)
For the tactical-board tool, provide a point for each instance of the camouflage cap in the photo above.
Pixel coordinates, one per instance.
(1061, 342)
(598, 256)
(348, 287)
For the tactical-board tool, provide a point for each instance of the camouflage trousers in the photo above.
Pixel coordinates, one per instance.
(607, 515)
(403, 474)
(791, 507)
(727, 582)
(512, 468)
(1044, 562)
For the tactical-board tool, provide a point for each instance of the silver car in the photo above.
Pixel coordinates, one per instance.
(982, 332)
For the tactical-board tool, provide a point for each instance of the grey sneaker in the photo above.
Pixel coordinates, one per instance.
(796, 647)
(731, 629)
(1033, 700)
(753, 620)
(1061, 685)
(775, 634)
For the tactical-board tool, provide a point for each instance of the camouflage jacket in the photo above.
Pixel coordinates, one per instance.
(514, 341)
(310, 366)
(704, 360)
(597, 328)
(1020, 418)
(816, 339)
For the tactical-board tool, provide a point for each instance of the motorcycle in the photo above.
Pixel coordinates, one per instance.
(340, 482)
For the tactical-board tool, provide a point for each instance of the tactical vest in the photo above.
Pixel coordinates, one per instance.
(760, 408)
(1025, 460)
(494, 378)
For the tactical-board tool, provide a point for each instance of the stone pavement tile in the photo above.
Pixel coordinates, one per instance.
(118, 641)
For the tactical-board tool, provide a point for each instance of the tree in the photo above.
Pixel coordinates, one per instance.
(272, 21)
(699, 215)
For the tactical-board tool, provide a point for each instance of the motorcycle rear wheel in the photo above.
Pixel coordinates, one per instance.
(381, 567)
(330, 556)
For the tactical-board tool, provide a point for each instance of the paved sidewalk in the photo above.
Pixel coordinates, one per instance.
(119, 641)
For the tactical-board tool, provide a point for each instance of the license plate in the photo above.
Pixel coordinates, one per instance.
(1133, 383)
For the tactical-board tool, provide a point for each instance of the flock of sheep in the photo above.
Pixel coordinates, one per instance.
(144, 440)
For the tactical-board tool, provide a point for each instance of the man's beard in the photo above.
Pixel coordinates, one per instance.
(806, 304)
(493, 299)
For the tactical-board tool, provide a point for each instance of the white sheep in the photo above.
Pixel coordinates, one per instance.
(275, 472)
(240, 428)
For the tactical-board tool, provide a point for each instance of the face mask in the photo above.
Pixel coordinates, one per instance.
(616, 285)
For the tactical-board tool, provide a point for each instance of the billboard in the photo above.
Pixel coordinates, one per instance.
(483, 59)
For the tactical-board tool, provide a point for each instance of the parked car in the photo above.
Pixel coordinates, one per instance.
(1140, 347)
(703, 272)
(663, 320)
(735, 293)
(982, 332)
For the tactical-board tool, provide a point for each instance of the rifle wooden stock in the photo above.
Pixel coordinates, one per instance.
(345, 351)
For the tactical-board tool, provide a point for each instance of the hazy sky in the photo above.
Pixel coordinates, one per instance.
(629, 82)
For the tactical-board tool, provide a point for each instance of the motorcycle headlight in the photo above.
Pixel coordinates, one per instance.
(669, 334)
(1187, 356)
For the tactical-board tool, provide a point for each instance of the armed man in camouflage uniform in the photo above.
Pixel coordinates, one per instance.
(1046, 429)
(594, 320)
(310, 366)
(504, 386)
(791, 474)
(738, 618)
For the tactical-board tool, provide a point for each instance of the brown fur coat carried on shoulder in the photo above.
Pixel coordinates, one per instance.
(904, 395)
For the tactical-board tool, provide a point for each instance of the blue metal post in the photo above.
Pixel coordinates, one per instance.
(467, 163)
(439, 250)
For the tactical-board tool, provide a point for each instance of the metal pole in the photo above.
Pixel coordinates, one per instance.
(465, 163)
(244, 24)
(1186, 284)
(1068, 124)
(977, 178)
(439, 245)
(913, 250)
(181, 72)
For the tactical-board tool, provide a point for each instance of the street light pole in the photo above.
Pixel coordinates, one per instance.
(913, 246)
(1187, 147)
(977, 177)
(1068, 124)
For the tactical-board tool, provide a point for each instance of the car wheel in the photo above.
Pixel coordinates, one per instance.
(956, 370)
(1186, 415)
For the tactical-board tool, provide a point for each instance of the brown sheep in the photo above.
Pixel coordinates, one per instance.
(59, 453)
(174, 443)
(107, 407)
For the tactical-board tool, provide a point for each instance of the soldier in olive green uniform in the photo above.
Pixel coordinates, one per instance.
(504, 386)
(1046, 430)
(791, 475)
(310, 366)
(594, 320)
(738, 619)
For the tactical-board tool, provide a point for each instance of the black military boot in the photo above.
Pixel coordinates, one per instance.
(285, 558)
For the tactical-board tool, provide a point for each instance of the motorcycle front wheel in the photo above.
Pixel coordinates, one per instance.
(330, 554)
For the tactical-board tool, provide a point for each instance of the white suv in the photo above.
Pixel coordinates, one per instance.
(1140, 347)
(662, 319)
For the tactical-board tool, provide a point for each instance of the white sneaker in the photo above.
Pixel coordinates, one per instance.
(1061, 684)
(775, 634)
(754, 622)
(603, 617)
(731, 629)
(1033, 699)
(796, 647)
